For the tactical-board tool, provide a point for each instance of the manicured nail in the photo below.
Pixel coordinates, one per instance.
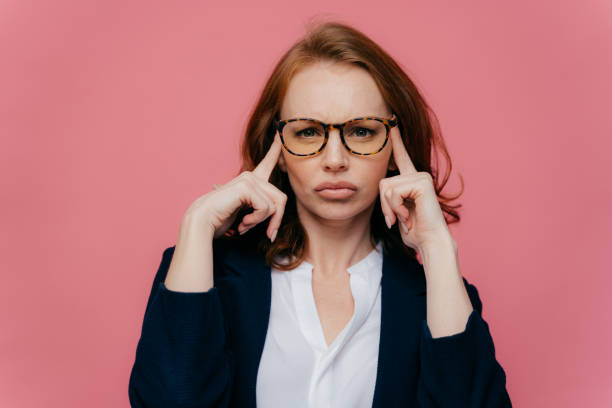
(388, 221)
(404, 227)
(273, 235)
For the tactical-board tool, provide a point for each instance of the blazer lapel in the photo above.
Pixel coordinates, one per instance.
(256, 288)
(403, 288)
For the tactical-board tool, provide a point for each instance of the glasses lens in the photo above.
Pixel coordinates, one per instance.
(365, 136)
(303, 136)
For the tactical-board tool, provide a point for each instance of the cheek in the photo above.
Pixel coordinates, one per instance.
(378, 171)
(298, 173)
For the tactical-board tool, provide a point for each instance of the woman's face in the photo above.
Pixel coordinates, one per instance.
(334, 93)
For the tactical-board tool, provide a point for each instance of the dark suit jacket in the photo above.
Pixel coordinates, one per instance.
(203, 349)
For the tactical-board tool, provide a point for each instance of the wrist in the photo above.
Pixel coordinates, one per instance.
(193, 223)
(441, 244)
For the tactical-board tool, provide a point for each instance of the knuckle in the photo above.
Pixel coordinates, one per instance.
(425, 175)
(277, 190)
(278, 206)
(247, 188)
(390, 192)
(427, 180)
(242, 180)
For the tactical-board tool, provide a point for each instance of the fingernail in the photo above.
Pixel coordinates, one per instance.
(388, 221)
(274, 235)
(404, 226)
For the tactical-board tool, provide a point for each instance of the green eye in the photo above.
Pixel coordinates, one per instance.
(307, 132)
(362, 132)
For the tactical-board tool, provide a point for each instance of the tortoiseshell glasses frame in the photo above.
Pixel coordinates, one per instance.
(389, 123)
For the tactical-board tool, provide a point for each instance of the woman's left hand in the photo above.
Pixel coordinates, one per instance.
(411, 197)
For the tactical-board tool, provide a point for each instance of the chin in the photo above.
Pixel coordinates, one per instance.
(338, 209)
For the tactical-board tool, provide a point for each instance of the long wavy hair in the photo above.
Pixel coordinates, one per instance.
(418, 125)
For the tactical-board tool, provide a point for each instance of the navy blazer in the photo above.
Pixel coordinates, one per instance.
(203, 349)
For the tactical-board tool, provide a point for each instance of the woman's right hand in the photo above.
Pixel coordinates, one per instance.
(218, 209)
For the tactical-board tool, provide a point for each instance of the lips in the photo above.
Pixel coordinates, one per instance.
(336, 185)
(338, 190)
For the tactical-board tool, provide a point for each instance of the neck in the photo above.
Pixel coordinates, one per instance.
(332, 246)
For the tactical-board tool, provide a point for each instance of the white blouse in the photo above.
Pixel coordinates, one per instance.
(297, 368)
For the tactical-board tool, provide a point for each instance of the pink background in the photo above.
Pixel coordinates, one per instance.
(109, 108)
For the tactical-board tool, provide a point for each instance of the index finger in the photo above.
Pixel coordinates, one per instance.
(267, 164)
(400, 155)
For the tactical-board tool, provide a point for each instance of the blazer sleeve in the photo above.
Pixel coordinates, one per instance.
(181, 357)
(461, 370)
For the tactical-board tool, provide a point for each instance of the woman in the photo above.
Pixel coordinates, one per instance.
(319, 299)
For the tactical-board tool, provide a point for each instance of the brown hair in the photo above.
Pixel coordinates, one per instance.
(419, 128)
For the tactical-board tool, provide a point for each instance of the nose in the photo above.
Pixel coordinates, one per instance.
(334, 155)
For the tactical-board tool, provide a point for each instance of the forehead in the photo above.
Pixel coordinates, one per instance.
(332, 92)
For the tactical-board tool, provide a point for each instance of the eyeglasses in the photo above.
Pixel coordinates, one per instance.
(362, 136)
